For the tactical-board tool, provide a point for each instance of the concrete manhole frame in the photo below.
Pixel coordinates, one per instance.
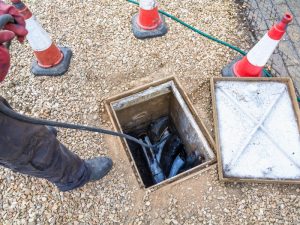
(183, 176)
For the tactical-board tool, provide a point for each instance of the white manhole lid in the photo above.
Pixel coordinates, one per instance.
(257, 129)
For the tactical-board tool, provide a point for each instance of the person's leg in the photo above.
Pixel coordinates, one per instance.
(34, 150)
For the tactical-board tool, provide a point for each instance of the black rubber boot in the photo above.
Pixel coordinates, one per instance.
(99, 167)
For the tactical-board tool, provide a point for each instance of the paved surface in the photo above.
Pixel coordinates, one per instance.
(261, 15)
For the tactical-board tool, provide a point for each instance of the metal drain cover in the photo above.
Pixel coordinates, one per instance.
(257, 124)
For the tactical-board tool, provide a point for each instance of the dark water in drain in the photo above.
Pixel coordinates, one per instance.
(171, 160)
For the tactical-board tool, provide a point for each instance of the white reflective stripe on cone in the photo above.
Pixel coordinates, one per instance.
(262, 51)
(37, 37)
(148, 4)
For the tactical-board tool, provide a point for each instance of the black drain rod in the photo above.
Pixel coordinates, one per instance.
(12, 114)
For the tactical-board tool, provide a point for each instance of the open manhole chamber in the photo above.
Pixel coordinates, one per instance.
(162, 112)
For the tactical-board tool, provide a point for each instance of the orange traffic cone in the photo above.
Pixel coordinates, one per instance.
(51, 60)
(148, 22)
(252, 64)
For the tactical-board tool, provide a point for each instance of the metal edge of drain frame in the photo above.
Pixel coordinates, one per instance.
(187, 110)
(194, 171)
(117, 127)
(293, 98)
(145, 95)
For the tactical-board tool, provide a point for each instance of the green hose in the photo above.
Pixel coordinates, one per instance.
(235, 48)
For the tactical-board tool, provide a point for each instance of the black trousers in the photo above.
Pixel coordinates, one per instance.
(34, 150)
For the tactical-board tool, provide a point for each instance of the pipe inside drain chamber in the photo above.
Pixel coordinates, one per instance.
(12, 114)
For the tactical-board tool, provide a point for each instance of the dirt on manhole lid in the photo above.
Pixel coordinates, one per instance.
(257, 124)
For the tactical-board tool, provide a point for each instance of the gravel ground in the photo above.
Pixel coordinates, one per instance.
(107, 61)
